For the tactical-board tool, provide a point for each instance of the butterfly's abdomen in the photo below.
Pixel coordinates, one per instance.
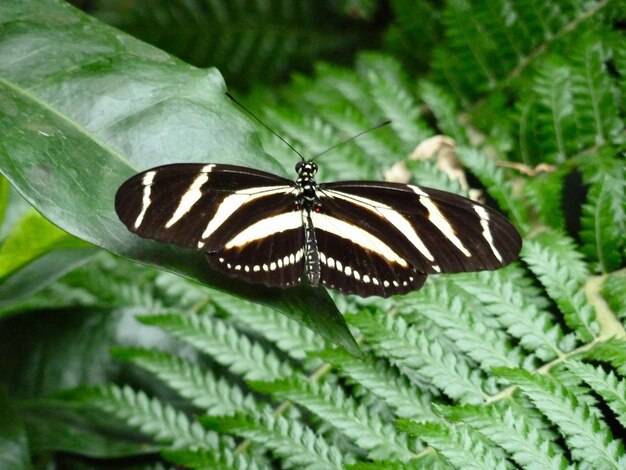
(312, 262)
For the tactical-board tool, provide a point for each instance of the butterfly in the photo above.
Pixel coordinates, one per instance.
(358, 237)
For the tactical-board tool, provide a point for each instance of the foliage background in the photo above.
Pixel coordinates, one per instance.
(107, 363)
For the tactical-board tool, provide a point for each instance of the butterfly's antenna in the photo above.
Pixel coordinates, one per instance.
(263, 124)
(352, 138)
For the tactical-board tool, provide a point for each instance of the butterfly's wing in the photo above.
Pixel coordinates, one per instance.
(244, 219)
(400, 233)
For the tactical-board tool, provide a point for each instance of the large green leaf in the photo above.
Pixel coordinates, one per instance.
(83, 107)
(30, 239)
(4, 198)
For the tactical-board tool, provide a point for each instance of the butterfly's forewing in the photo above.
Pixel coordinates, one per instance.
(243, 218)
(431, 231)
(176, 203)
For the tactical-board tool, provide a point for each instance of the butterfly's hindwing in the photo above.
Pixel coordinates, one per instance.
(359, 267)
(276, 260)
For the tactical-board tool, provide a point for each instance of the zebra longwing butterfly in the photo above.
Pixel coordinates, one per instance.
(358, 237)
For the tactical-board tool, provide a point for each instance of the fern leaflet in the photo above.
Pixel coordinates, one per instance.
(590, 440)
(222, 342)
(214, 396)
(297, 445)
(329, 402)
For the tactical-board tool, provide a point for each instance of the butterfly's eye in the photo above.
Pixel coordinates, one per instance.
(299, 166)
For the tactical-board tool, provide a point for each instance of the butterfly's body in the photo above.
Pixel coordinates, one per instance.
(360, 237)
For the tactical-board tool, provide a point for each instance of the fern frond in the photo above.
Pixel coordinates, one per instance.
(350, 121)
(329, 402)
(490, 44)
(553, 86)
(261, 41)
(589, 439)
(223, 343)
(459, 319)
(512, 431)
(151, 417)
(612, 351)
(595, 94)
(500, 296)
(179, 293)
(290, 336)
(297, 445)
(445, 110)
(214, 396)
(389, 91)
(614, 292)
(383, 381)
(456, 443)
(603, 222)
(553, 258)
(335, 84)
(211, 459)
(393, 338)
(609, 387)
(545, 197)
(416, 27)
(315, 135)
(427, 459)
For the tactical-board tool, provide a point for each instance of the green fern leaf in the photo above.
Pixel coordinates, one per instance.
(329, 402)
(511, 430)
(388, 88)
(500, 296)
(427, 459)
(151, 417)
(589, 439)
(212, 395)
(297, 445)
(612, 351)
(445, 110)
(545, 196)
(596, 95)
(609, 387)
(205, 459)
(455, 314)
(181, 294)
(261, 41)
(604, 221)
(223, 343)
(290, 336)
(456, 443)
(554, 89)
(614, 292)
(553, 258)
(383, 381)
(405, 347)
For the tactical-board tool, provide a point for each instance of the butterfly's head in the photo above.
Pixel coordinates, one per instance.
(306, 168)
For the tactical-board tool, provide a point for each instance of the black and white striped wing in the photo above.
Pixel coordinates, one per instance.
(244, 219)
(378, 238)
